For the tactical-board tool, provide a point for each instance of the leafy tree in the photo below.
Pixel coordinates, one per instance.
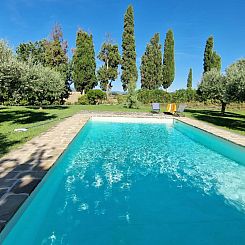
(34, 51)
(56, 56)
(44, 85)
(83, 63)
(168, 60)
(95, 96)
(27, 81)
(129, 69)
(108, 72)
(235, 74)
(211, 58)
(189, 80)
(225, 88)
(214, 86)
(9, 75)
(151, 64)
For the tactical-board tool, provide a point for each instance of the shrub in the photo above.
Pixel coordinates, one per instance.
(150, 96)
(25, 81)
(132, 100)
(121, 98)
(83, 100)
(184, 95)
(95, 96)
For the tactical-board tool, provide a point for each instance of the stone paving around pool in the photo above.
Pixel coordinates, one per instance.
(22, 169)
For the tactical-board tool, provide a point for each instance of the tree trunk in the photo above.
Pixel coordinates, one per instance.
(223, 106)
(108, 84)
(107, 91)
(83, 92)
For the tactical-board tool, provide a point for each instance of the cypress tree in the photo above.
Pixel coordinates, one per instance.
(216, 61)
(208, 55)
(83, 63)
(189, 80)
(211, 58)
(151, 64)
(168, 60)
(129, 69)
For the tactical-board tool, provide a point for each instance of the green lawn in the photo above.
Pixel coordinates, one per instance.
(233, 120)
(38, 121)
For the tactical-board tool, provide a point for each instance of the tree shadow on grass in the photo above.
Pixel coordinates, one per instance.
(230, 120)
(24, 116)
(50, 107)
(6, 144)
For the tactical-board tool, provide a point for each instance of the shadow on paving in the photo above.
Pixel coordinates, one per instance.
(18, 176)
(229, 119)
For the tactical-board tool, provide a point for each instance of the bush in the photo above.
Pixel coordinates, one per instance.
(83, 100)
(184, 95)
(26, 82)
(150, 96)
(121, 99)
(95, 96)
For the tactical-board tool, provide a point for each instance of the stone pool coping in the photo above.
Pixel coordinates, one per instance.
(23, 168)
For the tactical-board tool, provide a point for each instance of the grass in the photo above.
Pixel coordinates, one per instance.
(38, 121)
(233, 119)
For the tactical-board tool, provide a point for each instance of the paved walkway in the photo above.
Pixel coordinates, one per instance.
(22, 169)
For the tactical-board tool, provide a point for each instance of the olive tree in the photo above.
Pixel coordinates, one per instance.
(235, 74)
(226, 88)
(214, 86)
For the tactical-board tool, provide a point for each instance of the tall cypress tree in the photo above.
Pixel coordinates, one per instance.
(129, 69)
(216, 61)
(151, 64)
(168, 60)
(208, 55)
(189, 80)
(83, 63)
(211, 58)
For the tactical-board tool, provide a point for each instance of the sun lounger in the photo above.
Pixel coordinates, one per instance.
(180, 109)
(171, 108)
(155, 107)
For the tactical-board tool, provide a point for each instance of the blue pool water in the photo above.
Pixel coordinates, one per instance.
(127, 183)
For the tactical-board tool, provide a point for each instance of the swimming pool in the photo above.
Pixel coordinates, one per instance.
(138, 183)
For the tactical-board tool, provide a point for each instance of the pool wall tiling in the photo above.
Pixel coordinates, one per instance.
(216, 143)
(132, 120)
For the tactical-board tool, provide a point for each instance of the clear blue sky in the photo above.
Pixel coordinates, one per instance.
(191, 20)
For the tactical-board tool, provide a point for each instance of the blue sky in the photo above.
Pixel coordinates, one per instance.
(192, 22)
